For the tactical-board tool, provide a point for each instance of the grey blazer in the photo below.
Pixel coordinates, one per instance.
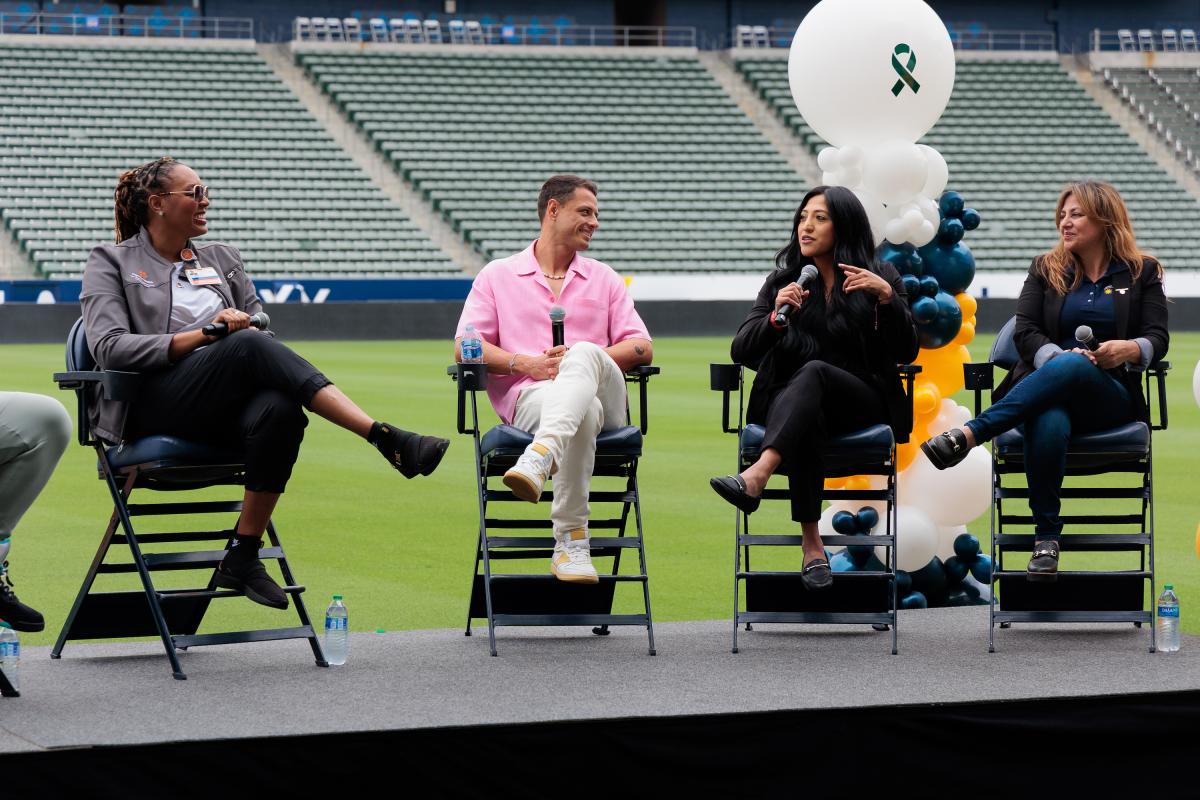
(126, 300)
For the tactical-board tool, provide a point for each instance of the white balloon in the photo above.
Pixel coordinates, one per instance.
(946, 537)
(912, 219)
(924, 235)
(895, 231)
(851, 176)
(828, 159)
(877, 213)
(928, 209)
(938, 173)
(950, 415)
(950, 497)
(894, 171)
(1196, 383)
(851, 156)
(916, 538)
(865, 71)
(831, 178)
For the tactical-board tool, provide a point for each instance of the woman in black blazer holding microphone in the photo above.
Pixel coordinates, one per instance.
(831, 368)
(1097, 277)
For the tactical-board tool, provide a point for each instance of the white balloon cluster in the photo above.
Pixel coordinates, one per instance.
(894, 76)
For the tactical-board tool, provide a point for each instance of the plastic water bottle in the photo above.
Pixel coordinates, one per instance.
(472, 346)
(337, 632)
(10, 654)
(1168, 620)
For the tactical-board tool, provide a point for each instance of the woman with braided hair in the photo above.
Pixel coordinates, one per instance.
(145, 300)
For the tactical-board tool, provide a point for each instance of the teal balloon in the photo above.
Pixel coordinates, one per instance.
(903, 257)
(958, 597)
(930, 580)
(951, 204)
(942, 329)
(914, 600)
(845, 523)
(970, 219)
(912, 285)
(861, 554)
(924, 310)
(952, 264)
(981, 569)
(966, 547)
(868, 518)
(956, 570)
(929, 286)
(842, 562)
(950, 231)
(903, 583)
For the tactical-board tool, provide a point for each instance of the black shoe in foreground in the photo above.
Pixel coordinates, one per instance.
(1043, 567)
(946, 449)
(20, 616)
(733, 489)
(251, 579)
(816, 575)
(410, 453)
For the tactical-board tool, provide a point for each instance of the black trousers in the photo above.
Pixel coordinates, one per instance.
(246, 392)
(820, 400)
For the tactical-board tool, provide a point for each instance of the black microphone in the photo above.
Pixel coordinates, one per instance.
(1083, 335)
(807, 276)
(259, 320)
(557, 315)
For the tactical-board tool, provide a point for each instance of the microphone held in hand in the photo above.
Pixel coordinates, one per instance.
(807, 276)
(557, 315)
(1084, 335)
(259, 320)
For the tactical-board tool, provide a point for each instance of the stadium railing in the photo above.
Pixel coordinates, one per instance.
(137, 25)
(751, 37)
(1145, 40)
(473, 31)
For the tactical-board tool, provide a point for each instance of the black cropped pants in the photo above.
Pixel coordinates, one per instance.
(820, 400)
(246, 392)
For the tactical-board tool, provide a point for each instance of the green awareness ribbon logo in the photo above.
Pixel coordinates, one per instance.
(904, 70)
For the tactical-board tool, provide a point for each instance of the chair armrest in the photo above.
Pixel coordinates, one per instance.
(470, 378)
(114, 384)
(978, 378)
(641, 376)
(727, 378)
(1158, 371)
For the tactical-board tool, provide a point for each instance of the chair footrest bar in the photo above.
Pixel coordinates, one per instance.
(792, 541)
(1079, 519)
(191, 536)
(193, 594)
(1078, 541)
(822, 617)
(241, 637)
(1071, 573)
(531, 524)
(548, 541)
(1074, 616)
(856, 575)
(198, 559)
(571, 619)
(1020, 493)
(155, 509)
(509, 576)
(593, 497)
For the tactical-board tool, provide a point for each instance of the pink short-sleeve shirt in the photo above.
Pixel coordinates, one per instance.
(510, 303)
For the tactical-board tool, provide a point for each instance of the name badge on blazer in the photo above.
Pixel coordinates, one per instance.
(202, 276)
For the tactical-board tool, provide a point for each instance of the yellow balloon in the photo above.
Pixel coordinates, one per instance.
(967, 303)
(966, 333)
(858, 483)
(835, 483)
(926, 400)
(1198, 541)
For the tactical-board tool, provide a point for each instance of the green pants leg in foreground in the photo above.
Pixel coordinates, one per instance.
(34, 432)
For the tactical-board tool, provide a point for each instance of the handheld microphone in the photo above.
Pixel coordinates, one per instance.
(259, 320)
(1083, 334)
(557, 333)
(807, 276)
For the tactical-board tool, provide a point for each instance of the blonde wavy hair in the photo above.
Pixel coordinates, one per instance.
(1101, 203)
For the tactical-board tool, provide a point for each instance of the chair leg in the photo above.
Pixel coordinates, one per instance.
(88, 581)
(6, 688)
(737, 567)
(637, 514)
(301, 610)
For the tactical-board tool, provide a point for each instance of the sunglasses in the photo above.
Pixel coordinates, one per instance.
(197, 192)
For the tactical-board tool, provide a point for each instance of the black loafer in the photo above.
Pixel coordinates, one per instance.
(251, 579)
(816, 575)
(946, 449)
(409, 453)
(733, 489)
(1043, 567)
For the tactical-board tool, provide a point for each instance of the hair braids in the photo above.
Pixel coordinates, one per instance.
(132, 197)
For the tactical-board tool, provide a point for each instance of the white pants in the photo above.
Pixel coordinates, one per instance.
(566, 414)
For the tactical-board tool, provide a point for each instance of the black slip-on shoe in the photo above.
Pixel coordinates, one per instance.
(733, 489)
(946, 449)
(1043, 567)
(411, 454)
(816, 575)
(18, 615)
(251, 579)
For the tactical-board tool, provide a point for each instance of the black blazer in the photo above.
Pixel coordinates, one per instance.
(892, 341)
(1141, 309)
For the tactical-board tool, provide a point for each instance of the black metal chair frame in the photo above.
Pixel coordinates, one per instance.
(6, 687)
(174, 615)
(1115, 588)
(522, 599)
(728, 378)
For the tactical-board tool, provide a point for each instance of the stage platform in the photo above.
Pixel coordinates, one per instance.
(418, 694)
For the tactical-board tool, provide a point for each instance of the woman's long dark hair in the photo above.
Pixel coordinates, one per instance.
(853, 243)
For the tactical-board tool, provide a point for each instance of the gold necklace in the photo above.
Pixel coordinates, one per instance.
(553, 277)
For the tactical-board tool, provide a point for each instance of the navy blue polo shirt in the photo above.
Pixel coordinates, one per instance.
(1090, 304)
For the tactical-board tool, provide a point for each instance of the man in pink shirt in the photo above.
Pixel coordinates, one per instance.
(565, 396)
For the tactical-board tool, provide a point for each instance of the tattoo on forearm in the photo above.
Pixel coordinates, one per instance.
(641, 351)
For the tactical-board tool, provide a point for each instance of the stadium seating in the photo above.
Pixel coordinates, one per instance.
(687, 183)
(1167, 100)
(73, 118)
(1014, 133)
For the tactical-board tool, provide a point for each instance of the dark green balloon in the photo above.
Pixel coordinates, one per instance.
(950, 231)
(868, 518)
(951, 204)
(981, 569)
(845, 523)
(970, 219)
(924, 310)
(914, 600)
(966, 547)
(903, 583)
(945, 325)
(929, 286)
(956, 570)
(912, 286)
(903, 257)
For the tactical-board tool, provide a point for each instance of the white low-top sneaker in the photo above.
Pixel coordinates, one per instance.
(527, 477)
(572, 559)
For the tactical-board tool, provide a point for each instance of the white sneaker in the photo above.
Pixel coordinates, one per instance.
(572, 559)
(527, 477)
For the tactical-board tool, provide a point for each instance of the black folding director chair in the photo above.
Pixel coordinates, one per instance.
(862, 596)
(541, 599)
(160, 463)
(6, 687)
(1077, 595)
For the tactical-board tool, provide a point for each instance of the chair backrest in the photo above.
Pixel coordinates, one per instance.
(433, 31)
(353, 29)
(1145, 39)
(1170, 40)
(396, 28)
(379, 30)
(1125, 38)
(414, 33)
(79, 359)
(474, 32)
(458, 32)
(1187, 38)
(1004, 349)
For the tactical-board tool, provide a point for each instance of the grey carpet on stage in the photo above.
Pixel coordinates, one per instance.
(124, 693)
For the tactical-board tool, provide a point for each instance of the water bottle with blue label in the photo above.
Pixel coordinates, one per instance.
(1168, 620)
(337, 632)
(10, 653)
(472, 346)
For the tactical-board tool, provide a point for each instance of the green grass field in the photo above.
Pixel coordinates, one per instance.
(402, 551)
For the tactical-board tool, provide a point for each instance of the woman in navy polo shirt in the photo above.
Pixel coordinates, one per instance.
(1095, 276)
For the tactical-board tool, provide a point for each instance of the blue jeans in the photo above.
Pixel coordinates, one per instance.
(1067, 395)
